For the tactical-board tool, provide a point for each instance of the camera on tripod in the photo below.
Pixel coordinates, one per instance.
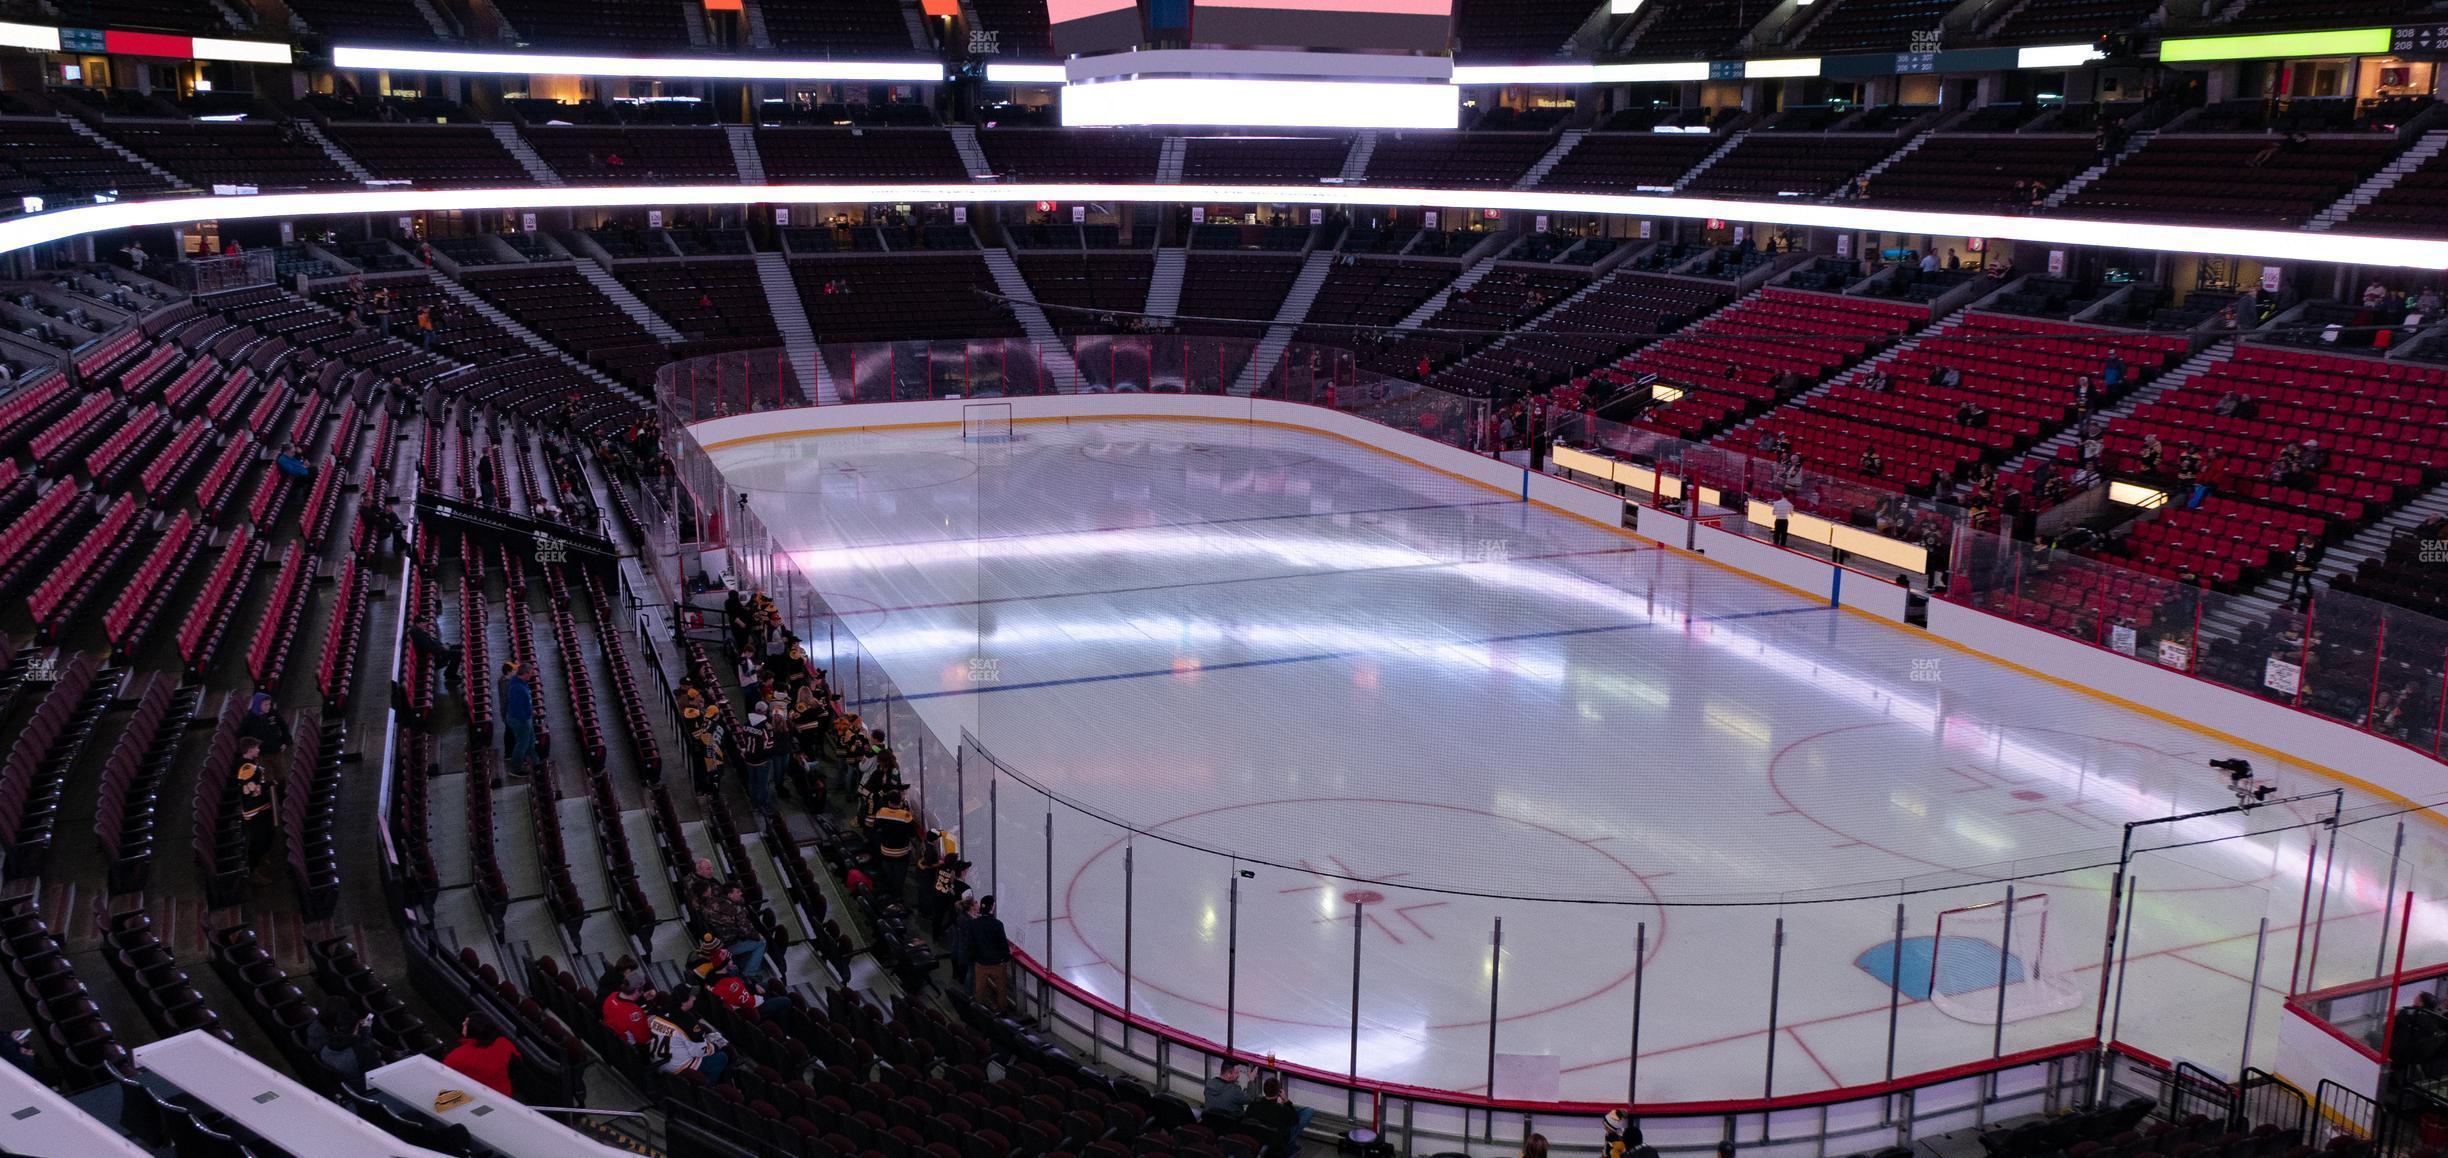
(2249, 790)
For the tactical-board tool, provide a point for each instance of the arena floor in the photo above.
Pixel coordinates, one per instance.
(1312, 676)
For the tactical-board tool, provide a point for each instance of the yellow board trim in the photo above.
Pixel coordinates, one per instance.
(2342, 777)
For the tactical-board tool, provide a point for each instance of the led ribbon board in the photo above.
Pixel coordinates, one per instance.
(2268, 244)
(2343, 42)
(708, 68)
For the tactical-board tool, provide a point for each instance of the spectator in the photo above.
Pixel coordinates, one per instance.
(483, 1054)
(1275, 1113)
(2150, 455)
(1623, 1135)
(430, 644)
(699, 884)
(964, 911)
(2302, 561)
(945, 892)
(263, 724)
(256, 815)
(624, 1006)
(21, 1053)
(718, 973)
(757, 753)
(2206, 480)
(1929, 262)
(1230, 1090)
(724, 916)
(683, 1043)
(989, 958)
(342, 1049)
(2286, 465)
(518, 715)
(425, 326)
(1535, 1146)
(389, 533)
(705, 742)
(2112, 371)
(292, 462)
(894, 829)
(2419, 1038)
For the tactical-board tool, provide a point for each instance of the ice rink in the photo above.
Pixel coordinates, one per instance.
(1281, 675)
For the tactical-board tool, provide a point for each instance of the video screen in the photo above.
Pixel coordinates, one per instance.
(1347, 25)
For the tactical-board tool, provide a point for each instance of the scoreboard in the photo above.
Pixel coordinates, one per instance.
(1083, 27)
(1342, 25)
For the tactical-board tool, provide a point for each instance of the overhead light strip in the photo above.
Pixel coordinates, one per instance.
(38, 37)
(252, 51)
(691, 68)
(1027, 74)
(2269, 244)
(1487, 74)
(1799, 66)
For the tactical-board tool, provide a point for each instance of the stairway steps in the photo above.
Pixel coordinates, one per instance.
(1554, 156)
(2150, 392)
(1356, 162)
(744, 154)
(2058, 196)
(1436, 301)
(1288, 318)
(798, 337)
(524, 154)
(1050, 347)
(1165, 287)
(348, 164)
(527, 337)
(1715, 156)
(2381, 182)
(88, 131)
(965, 142)
(630, 304)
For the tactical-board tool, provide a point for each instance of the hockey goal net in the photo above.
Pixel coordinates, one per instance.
(1979, 945)
(986, 422)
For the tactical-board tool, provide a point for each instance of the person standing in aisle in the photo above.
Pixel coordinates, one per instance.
(255, 813)
(518, 716)
(264, 725)
(989, 958)
(756, 747)
(895, 830)
(945, 892)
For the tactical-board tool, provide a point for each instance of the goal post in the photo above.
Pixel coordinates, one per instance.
(986, 422)
(1978, 945)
